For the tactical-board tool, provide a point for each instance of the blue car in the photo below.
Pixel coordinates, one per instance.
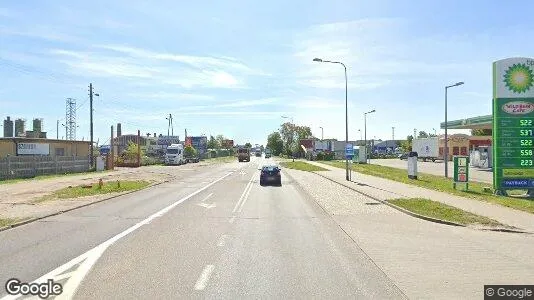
(270, 174)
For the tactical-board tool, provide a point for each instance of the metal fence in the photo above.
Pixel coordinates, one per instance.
(30, 166)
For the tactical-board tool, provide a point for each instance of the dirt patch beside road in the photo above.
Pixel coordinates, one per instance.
(18, 200)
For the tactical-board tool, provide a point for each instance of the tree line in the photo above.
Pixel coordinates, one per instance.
(286, 139)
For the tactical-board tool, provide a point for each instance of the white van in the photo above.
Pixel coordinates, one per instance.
(174, 155)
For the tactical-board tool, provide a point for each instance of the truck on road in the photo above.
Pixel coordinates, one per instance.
(267, 153)
(243, 154)
(426, 148)
(174, 155)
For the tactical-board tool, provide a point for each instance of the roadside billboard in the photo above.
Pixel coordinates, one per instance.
(227, 144)
(307, 143)
(513, 123)
(200, 143)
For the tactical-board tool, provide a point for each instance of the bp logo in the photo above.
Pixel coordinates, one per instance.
(519, 78)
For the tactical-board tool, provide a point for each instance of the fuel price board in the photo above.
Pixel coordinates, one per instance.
(513, 124)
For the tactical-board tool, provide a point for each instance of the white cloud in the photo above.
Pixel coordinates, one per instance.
(235, 104)
(377, 52)
(173, 96)
(39, 32)
(102, 65)
(201, 62)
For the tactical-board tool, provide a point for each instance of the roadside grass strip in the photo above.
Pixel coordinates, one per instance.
(438, 210)
(95, 189)
(10, 221)
(477, 190)
(302, 166)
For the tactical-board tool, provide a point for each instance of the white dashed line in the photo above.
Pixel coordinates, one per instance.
(204, 277)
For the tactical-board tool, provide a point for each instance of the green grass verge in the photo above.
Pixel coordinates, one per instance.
(108, 187)
(300, 165)
(10, 221)
(442, 211)
(442, 184)
(41, 177)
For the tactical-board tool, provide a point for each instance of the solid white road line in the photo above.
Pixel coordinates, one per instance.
(245, 198)
(247, 187)
(232, 219)
(90, 257)
(204, 277)
(222, 240)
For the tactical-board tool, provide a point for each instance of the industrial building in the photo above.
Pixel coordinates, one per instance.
(20, 128)
(22, 146)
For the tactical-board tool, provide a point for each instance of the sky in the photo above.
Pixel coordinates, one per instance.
(235, 67)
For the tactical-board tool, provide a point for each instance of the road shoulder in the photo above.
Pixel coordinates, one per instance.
(385, 189)
(411, 251)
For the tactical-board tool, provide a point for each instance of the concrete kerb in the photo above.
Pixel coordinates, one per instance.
(31, 220)
(426, 218)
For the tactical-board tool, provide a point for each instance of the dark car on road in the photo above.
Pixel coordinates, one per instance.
(270, 174)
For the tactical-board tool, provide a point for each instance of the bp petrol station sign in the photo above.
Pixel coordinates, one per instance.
(513, 124)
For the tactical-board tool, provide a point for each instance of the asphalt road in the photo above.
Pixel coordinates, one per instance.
(437, 168)
(214, 233)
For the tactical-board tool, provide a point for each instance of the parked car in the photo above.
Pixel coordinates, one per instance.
(403, 156)
(270, 174)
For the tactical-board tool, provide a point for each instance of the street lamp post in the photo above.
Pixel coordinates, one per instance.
(361, 137)
(446, 150)
(365, 132)
(347, 177)
(322, 133)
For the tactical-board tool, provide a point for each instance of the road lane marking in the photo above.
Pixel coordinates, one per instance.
(249, 184)
(244, 199)
(207, 197)
(204, 277)
(222, 240)
(232, 219)
(90, 257)
(207, 206)
(63, 276)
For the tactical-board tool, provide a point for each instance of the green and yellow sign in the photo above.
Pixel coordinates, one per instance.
(513, 123)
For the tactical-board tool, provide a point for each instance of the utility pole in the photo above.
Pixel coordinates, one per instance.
(170, 125)
(138, 148)
(111, 152)
(57, 130)
(91, 121)
(393, 133)
(414, 133)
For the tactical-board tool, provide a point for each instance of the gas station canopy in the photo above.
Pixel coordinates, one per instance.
(482, 122)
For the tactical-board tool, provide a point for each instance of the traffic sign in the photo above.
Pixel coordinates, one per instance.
(513, 123)
(349, 151)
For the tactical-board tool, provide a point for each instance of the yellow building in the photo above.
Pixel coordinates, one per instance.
(42, 147)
